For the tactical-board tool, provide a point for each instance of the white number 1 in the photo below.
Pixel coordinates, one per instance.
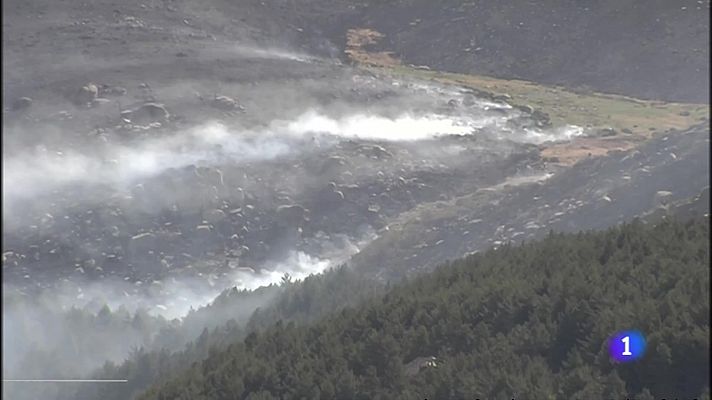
(626, 350)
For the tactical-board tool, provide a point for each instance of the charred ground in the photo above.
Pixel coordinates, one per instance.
(146, 149)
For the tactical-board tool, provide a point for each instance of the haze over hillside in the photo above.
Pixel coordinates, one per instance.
(529, 322)
(173, 167)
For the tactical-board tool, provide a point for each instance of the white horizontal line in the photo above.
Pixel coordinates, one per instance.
(67, 380)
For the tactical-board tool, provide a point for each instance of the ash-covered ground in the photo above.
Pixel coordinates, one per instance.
(155, 155)
(245, 195)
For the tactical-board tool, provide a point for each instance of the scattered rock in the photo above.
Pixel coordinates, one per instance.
(291, 214)
(20, 104)
(211, 176)
(214, 216)
(541, 118)
(332, 162)
(469, 101)
(142, 236)
(226, 103)
(606, 132)
(332, 197)
(662, 198)
(106, 90)
(374, 151)
(86, 94)
(132, 22)
(142, 243)
(146, 113)
(526, 108)
(99, 101)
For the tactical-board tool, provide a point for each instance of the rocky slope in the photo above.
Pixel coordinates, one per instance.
(649, 49)
(156, 153)
(651, 181)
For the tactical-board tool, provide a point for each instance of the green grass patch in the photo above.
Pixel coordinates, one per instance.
(564, 106)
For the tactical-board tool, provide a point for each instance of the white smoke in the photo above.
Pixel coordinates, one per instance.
(403, 128)
(27, 174)
(563, 133)
(272, 53)
(41, 324)
(174, 297)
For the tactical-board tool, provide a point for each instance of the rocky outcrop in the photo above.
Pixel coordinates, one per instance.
(86, 94)
(146, 113)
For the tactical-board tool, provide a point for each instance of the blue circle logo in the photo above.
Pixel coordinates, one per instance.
(626, 346)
